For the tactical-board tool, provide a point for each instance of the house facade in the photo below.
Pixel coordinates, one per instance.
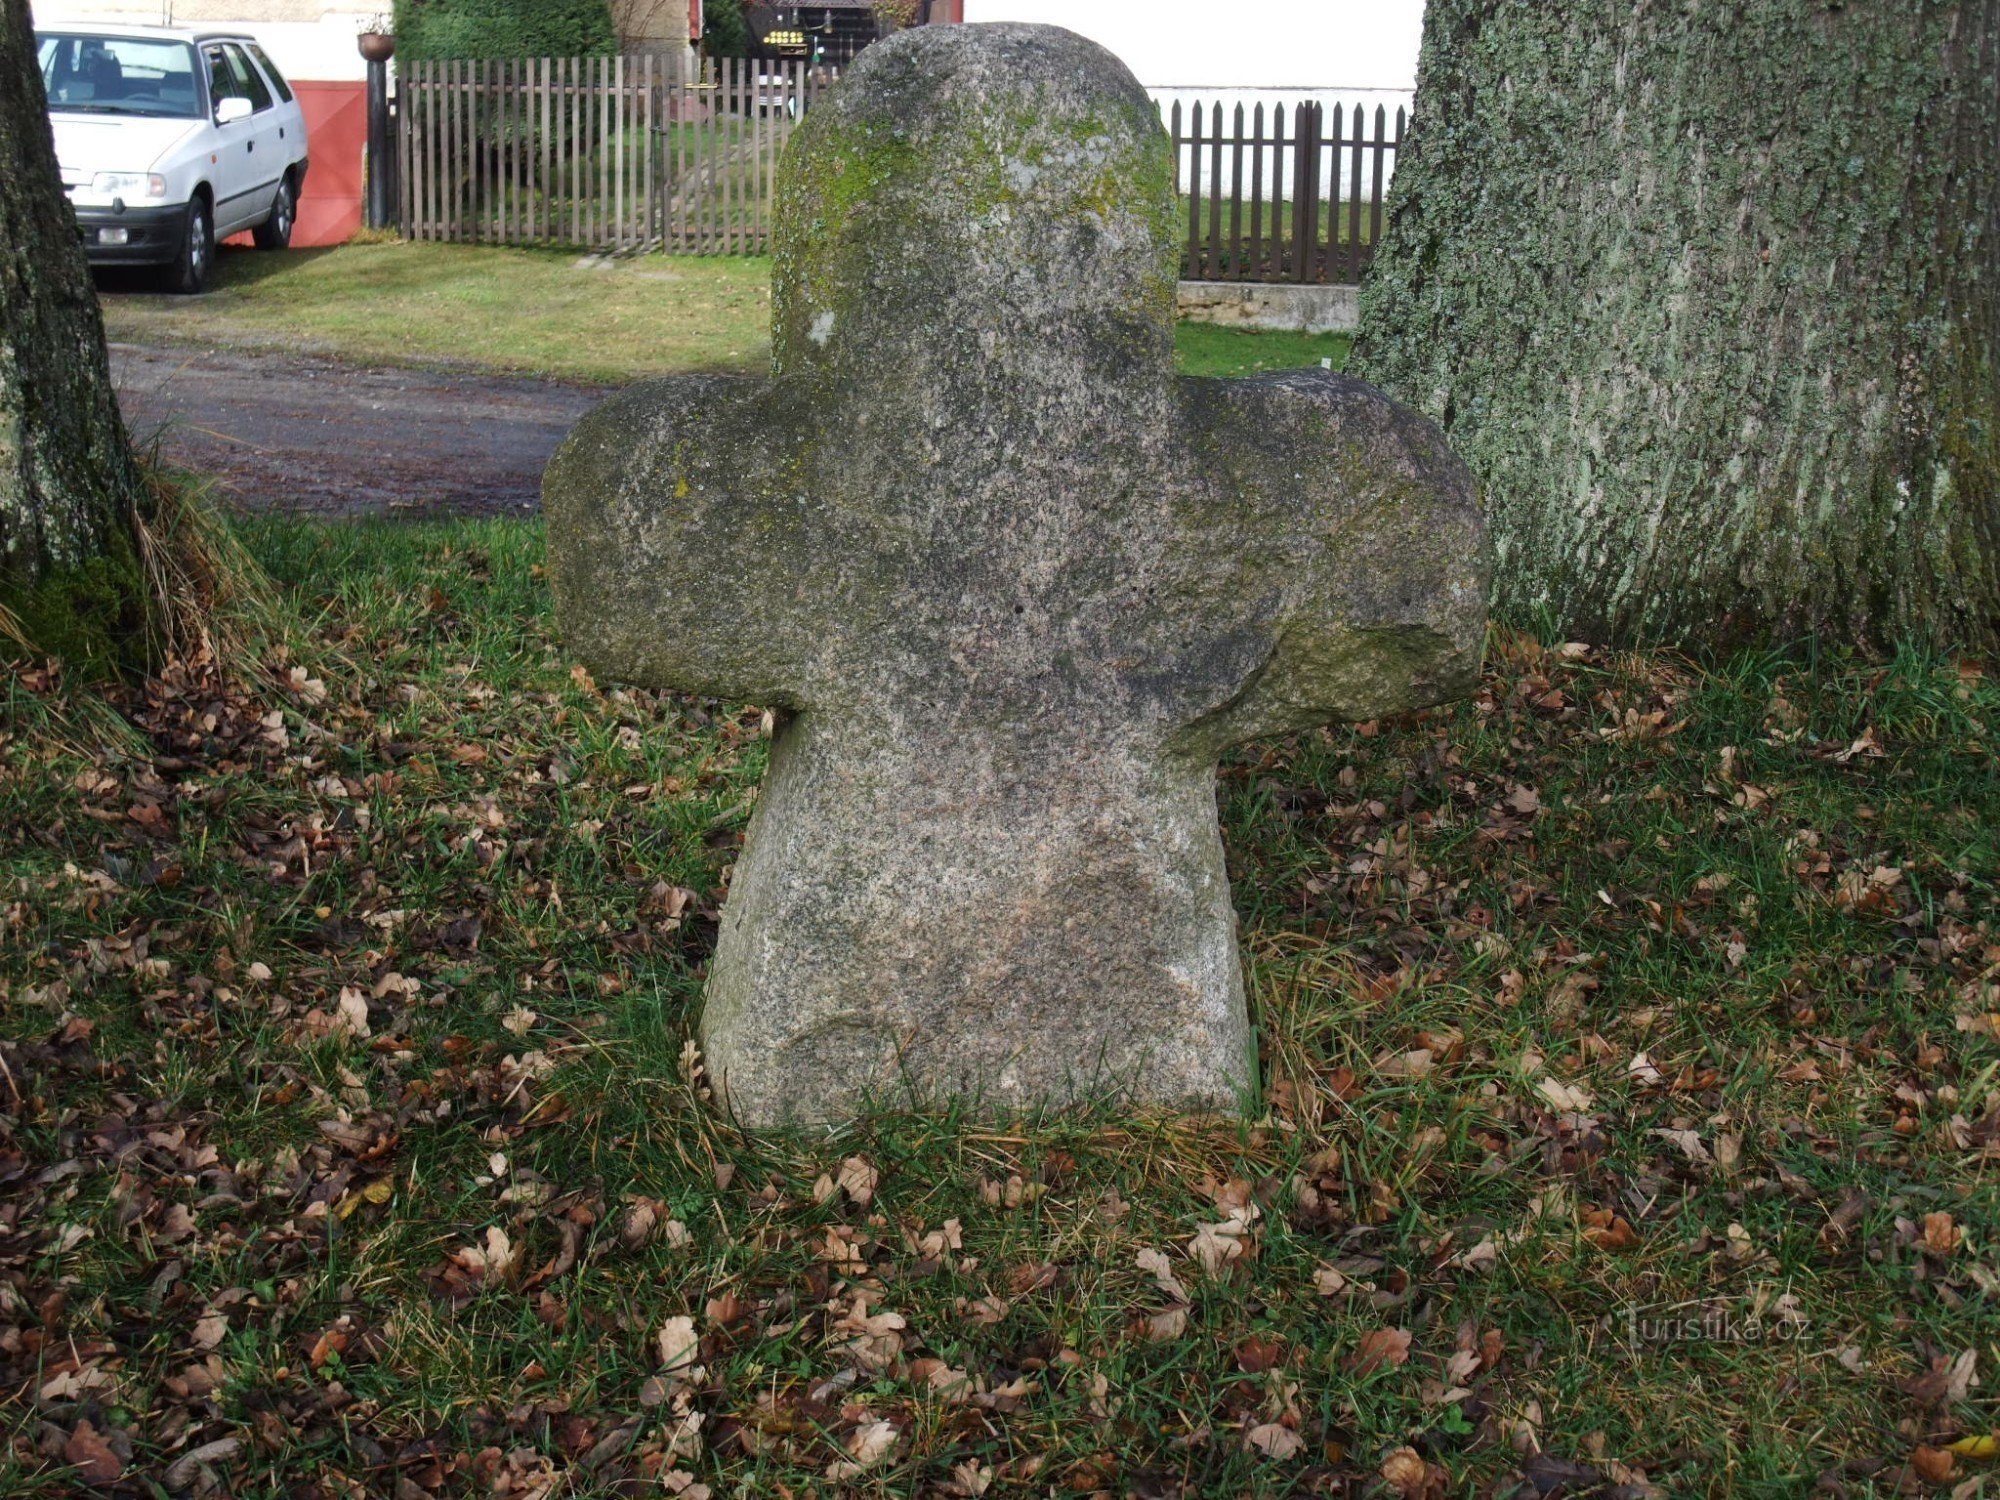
(314, 39)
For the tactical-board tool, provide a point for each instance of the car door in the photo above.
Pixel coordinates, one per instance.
(256, 144)
(291, 115)
(276, 120)
(233, 147)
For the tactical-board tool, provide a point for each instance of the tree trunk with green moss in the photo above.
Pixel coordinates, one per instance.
(1709, 298)
(69, 487)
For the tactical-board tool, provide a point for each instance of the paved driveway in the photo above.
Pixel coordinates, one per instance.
(285, 432)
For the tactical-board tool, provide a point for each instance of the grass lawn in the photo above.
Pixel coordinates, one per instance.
(1630, 1119)
(536, 311)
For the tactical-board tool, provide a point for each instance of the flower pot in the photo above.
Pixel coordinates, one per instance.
(377, 46)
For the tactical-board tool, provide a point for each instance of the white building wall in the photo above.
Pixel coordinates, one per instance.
(1299, 46)
(307, 39)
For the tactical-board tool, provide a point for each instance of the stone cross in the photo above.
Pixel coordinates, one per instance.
(1012, 586)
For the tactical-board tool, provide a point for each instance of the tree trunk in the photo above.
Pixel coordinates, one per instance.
(1708, 295)
(69, 487)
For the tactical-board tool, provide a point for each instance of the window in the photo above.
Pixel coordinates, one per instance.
(271, 72)
(249, 82)
(117, 75)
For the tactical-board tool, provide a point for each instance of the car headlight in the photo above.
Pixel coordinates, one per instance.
(129, 185)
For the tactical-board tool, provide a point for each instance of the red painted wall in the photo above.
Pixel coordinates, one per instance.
(337, 137)
(337, 130)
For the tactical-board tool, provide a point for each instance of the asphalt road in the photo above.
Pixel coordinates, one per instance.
(286, 432)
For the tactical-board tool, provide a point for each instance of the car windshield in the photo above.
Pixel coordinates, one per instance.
(117, 75)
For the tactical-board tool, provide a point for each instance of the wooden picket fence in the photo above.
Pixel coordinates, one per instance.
(1294, 198)
(625, 153)
(608, 153)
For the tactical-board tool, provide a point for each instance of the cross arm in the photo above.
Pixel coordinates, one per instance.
(683, 539)
(1347, 539)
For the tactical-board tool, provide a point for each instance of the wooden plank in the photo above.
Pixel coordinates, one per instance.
(595, 188)
(572, 133)
(401, 105)
(1375, 183)
(672, 161)
(718, 143)
(621, 156)
(761, 127)
(646, 144)
(478, 116)
(410, 96)
(725, 121)
(1305, 199)
(1214, 255)
(698, 153)
(577, 150)
(1281, 185)
(477, 222)
(1255, 269)
(732, 185)
(539, 153)
(446, 135)
(499, 128)
(477, 159)
(1237, 270)
(684, 149)
(1354, 256)
(542, 153)
(1281, 182)
(433, 149)
(514, 93)
(454, 153)
(559, 147)
(1195, 270)
(409, 109)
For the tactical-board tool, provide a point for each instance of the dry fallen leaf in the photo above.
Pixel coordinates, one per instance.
(1274, 1439)
(865, 1449)
(1941, 1236)
(210, 1329)
(1382, 1346)
(96, 1464)
(678, 1344)
(353, 1017)
(1567, 1098)
(1215, 1246)
(857, 1179)
(1156, 1264)
(1933, 1465)
(1406, 1472)
(1610, 1231)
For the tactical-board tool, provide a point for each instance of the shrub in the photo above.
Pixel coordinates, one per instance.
(724, 32)
(503, 28)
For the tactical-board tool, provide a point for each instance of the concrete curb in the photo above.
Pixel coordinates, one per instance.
(1271, 305)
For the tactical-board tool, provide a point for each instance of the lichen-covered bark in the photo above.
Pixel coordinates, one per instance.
(68, 482)
(1708, 296)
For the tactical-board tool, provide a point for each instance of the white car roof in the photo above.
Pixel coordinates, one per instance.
(157, 33)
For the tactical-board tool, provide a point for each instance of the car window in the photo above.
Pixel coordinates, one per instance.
(117, 75)
(249, 81)
(221, 81)
(271, 72)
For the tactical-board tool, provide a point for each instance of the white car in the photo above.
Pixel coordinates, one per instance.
(171, 139)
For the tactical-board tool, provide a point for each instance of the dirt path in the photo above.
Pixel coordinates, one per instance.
(285, 432)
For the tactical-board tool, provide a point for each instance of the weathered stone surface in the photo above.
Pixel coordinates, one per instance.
(1015, 587)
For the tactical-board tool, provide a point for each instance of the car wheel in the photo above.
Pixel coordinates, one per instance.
(189, 274)
(275, 233)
